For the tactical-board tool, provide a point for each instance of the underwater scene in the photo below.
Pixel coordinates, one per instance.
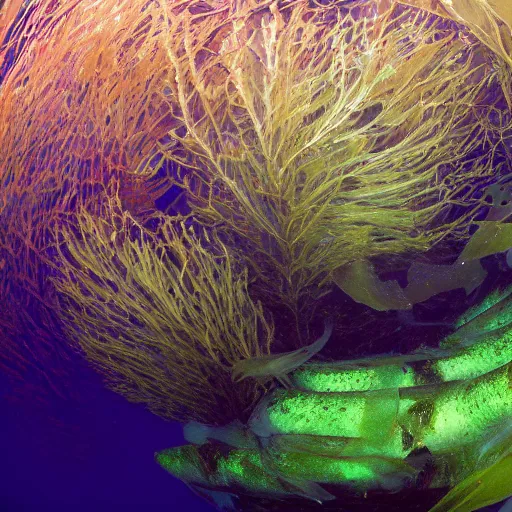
(256, 255)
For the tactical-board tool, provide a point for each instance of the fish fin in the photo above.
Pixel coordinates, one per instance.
(279, 365)
(306, 488)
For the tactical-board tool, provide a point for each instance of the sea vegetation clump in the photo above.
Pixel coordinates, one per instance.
(171, 172)
(316, 136)
(160, 314)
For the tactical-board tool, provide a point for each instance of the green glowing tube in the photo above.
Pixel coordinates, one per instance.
(427, 421)
(475, 353)
(457, 413)
(441, 416)
(323, 414)
(232, 467)
(282, 473)
(363, 375)
(452, 420)
(493, 312)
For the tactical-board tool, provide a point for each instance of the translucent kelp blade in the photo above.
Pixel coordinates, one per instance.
(359, 280)
(427, 280)
(479, 490)
(484, 487)
(490, 238)
(233, 434)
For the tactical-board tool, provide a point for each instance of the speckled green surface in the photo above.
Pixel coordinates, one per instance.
(375, 425)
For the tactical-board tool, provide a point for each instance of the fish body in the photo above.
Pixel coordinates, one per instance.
(280, 365)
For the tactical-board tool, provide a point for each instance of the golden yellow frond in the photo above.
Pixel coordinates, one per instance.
(163, 315)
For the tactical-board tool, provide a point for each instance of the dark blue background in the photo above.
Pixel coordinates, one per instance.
(99, 458)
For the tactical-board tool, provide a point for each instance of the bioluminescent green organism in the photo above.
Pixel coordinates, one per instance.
(358, 426)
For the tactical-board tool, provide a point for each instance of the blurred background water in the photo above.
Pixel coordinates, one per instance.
(99, 459)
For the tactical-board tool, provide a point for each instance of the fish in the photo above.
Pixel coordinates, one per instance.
(278, 366)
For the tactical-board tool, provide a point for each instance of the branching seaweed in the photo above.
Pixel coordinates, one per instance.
(163, 317)
(318, 137)
(301, 138)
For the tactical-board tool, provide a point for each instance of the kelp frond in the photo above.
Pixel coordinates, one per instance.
(316, 136)
(163, 316)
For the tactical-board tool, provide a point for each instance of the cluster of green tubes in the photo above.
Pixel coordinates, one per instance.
(373, 424)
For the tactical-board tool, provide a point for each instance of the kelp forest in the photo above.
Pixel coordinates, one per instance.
(194, 191)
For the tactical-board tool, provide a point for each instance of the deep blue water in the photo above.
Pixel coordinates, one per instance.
(100, 459)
